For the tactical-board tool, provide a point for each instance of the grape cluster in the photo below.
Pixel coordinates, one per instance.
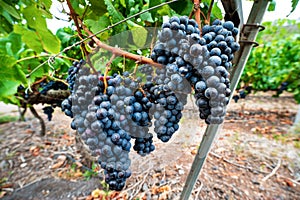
(48, 110)
(52, 85)
(96, 120)
(73, 70)
(203, 62)
(166, 112)
(111, 111)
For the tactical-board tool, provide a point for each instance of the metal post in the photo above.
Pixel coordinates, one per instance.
(248, 34)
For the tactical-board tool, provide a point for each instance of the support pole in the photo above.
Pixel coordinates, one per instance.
(248, 33)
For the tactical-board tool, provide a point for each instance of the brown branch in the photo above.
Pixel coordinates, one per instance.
(43, 127)
(197, 12)
(76, 20)
(120, 52)
(192, 13)
(22, 113)
(207, 21)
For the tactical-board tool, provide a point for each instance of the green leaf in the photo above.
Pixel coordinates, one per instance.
(12, 44)
(5, 25)
(216, 11)
(165, 10)
(63, 35)
(294, 5)
(46, 3)
(16, 40)
(147, 17)
(116, 15)
(154, 3)
(98, 24)
(10, 71)
(98, 8)
(182, 7)
(123, 3)
(29, 37)
(10, 9)
(49, 41)
(272, 5)
(33, 19)
(8, 88)
(139, 35)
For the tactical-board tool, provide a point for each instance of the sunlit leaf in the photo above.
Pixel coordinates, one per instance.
(29, 37)
(10, 9)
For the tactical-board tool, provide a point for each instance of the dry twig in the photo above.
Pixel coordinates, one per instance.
(273, 171)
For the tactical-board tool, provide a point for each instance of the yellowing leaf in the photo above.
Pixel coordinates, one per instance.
(139, 35)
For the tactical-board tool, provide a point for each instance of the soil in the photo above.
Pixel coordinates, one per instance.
(255, 156)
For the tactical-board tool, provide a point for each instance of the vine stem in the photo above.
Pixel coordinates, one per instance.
(120, 52)
(197, 12)
(207, 21)
(101, 31)
(107, 69)
(43, 126)
(76, 19)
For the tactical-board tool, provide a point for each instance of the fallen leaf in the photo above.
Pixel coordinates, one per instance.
(60, 161)
(289, 182)
(194, 152)
(2, 194)
(34, 150)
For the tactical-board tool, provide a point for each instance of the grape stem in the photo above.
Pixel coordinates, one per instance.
(207, 21)
(76, 20)
(101, 31)
(197, 12)
(107, 69)
(120, 52)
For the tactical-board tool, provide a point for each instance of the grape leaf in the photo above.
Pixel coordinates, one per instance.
(8, 88)
(29, 37)
(63, 35)
(294, 5)
(49, 41)
(6, 44)
(98, 24)
(147, 17)
(139, 35)
(98, 8)
(272, 5)
(182, 7)
(10, 9)
(33, 20)
(116, 15)
(216, 11)
(154, 3)
(10, 71)
(123, 3)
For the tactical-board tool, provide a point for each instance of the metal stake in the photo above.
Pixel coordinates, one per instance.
(249, 33)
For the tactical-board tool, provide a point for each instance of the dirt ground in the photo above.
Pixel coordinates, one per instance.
(256, 156)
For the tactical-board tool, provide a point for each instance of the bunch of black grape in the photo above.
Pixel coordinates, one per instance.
(96, 121)
(166, 110)
(242, 93)
(48, 110)
(72, 72)
(133, 115)
(203, 62)
(283, 86)
(52, 85)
